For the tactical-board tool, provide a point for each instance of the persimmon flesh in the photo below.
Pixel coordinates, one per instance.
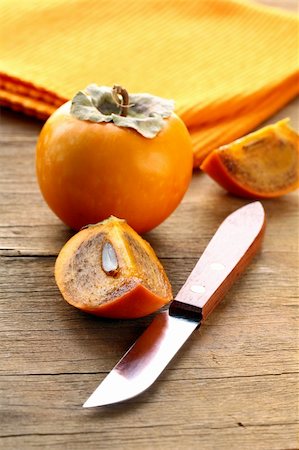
(263, 164)
(110, 271)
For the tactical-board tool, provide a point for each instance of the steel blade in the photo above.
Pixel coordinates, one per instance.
(144, 361)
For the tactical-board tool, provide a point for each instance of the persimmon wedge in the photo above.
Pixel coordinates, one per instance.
(108, 270)
(263, 164)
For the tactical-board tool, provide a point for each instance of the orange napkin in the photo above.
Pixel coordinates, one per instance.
(228, 64)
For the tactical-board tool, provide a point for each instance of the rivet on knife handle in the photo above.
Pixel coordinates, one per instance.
(227, 255)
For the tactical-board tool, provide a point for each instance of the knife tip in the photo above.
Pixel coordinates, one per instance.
(95, 400)
(87, 405)
(90, 403)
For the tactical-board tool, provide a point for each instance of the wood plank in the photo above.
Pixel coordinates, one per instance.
(259, 437)
(240, 338)
(215, 416)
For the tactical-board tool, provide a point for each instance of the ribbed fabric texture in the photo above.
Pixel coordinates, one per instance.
(228, 64)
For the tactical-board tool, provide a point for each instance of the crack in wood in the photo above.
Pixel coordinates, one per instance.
(170, 369)
(206, 427)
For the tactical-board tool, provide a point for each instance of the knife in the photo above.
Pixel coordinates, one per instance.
(228, 253)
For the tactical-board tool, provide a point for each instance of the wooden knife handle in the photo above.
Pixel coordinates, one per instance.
(227, 255)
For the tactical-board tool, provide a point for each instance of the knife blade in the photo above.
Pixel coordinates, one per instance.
(227, 255)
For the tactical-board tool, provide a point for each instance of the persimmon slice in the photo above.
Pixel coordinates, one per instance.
(263, 164)
(108, 270)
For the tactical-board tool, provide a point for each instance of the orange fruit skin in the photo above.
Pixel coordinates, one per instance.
(88, 171)
(129, 305)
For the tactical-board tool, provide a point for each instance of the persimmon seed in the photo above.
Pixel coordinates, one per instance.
(109, 259)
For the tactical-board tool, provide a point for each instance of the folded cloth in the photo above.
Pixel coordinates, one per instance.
(228, 64)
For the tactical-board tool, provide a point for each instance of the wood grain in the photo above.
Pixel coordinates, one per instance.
(233, 386)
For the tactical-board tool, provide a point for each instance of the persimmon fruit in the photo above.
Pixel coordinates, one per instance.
(263, 164)
(108, 270)
(96, 157)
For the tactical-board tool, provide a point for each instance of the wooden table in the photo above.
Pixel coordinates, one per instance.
(233, 386)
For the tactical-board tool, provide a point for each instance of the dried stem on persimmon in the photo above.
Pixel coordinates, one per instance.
(120, 92)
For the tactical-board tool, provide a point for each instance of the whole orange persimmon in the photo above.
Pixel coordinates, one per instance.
(107, 153)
